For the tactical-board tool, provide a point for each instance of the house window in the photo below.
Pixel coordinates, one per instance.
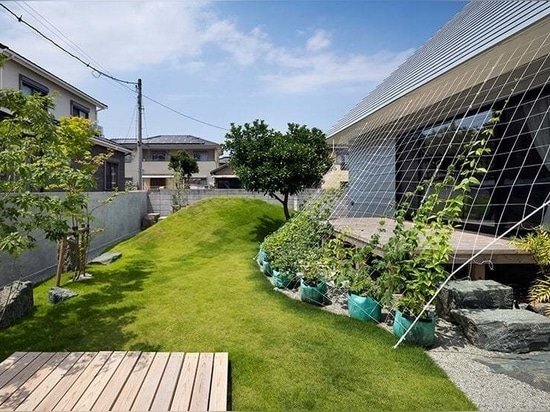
(200, 156)
(111, 176)
(77, 110)
(29, 86)
(157, 182)
(158, 156)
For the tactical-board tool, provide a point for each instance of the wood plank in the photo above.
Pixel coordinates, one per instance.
(465, 244)
(134, 382)
(145, 396)
(42, 390)
(184, 388)
(117, 382)
(201, 388)
(34, 380)
(96, 387)
(10, 361)
(69, 400)
(11, 388)
(218, 388)
(167, 385)
(16, 367)
(65, 383)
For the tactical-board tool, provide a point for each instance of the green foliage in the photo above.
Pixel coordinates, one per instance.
(184, 166)
(538, 244)
(415, 255)
(37, 154)
(285, 355)
(297, 244)
(277, 164)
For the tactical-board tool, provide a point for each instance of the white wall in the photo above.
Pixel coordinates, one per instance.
(10, 80)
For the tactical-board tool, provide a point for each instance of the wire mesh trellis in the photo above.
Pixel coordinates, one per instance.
(405, 149)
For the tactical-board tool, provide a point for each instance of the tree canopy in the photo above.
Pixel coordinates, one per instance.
(277, 164)
(184, 166)
(37, 154)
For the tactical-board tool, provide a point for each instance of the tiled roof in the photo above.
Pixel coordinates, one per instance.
(179, 139)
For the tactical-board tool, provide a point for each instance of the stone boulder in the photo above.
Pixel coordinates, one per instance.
(504, 330)
(477, 294)
(106, 258)
(16, 301)
(57, 295)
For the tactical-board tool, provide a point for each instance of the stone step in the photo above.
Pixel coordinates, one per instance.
(477, 294)
(504, 330)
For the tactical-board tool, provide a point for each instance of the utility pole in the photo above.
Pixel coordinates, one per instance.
(139, 138)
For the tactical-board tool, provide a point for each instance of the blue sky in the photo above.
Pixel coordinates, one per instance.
(307, 62)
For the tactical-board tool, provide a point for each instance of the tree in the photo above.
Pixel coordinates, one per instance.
(38, 154)
(184, 166)
(277, 164)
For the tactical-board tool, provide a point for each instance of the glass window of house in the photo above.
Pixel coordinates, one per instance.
(78, 110)
(200, 156)
(29, 86)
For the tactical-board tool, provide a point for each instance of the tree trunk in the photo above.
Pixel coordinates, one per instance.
(285, 206)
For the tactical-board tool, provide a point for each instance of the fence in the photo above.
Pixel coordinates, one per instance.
(160, 200)
(118, 220)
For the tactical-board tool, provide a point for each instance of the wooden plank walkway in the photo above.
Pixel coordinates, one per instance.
(358, 231)
(118, 381)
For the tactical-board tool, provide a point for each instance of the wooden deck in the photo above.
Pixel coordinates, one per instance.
(465, 244)
(121, 381)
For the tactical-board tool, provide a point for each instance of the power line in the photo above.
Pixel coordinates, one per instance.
(183, 114)
(74, 56)
(101, 72)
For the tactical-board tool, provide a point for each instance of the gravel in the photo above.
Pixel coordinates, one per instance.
(493, 381)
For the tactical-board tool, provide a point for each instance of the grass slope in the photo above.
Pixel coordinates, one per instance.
(189, 283)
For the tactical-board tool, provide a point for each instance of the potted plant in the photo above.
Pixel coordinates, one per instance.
(285, 270)
(313, 286)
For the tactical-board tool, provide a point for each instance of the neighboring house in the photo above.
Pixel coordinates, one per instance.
(338, 175)
(156, 151)
(491, 57)
(19, 73)
(225, 178)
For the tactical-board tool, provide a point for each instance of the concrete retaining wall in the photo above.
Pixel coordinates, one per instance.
(160, 200)
(118, 220)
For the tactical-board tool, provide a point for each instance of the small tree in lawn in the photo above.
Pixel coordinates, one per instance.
(39, 153)
(277, 164)
(183, 166)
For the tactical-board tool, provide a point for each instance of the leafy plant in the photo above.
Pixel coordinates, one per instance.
(415, 255)
(299, 241)
(277, 164)
(538, 244)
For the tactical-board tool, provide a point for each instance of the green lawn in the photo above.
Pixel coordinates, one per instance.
(189, 283)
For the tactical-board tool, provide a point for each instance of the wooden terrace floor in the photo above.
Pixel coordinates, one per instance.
(121, 381)
(465, 244)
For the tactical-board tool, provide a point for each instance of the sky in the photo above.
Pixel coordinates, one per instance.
(213, 63)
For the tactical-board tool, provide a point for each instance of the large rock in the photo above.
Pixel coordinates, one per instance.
(504, 330)
(57, 295)
(106, 258)
(477, 294)
(16, 301)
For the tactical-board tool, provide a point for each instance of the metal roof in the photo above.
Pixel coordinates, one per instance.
(167, 140)
(475, 29)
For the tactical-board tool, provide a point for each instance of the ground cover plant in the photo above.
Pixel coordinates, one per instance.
(189, 283)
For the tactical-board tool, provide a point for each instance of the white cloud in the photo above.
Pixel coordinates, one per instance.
(319, 41)
(188, 36)
(311, 72)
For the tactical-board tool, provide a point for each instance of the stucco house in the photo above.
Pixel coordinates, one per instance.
(156, 151)
(17, 72)
(490, 62)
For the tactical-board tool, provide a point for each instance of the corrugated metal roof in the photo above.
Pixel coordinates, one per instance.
(168, 139)
(479, 26)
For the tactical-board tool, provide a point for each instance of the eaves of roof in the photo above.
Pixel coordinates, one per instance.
(9, 53)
